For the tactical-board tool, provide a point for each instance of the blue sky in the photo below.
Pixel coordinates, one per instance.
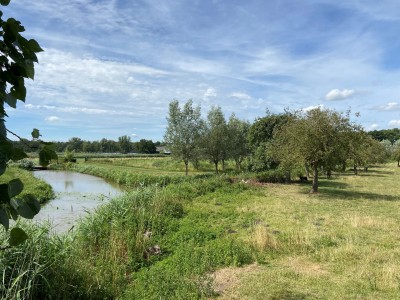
(110, 68)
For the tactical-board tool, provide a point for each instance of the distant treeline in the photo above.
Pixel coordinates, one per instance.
(123, 145)
(391, 135)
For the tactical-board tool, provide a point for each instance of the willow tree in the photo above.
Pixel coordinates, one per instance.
(184, 130)
(237, 144)
(318, 138)
(215, 138)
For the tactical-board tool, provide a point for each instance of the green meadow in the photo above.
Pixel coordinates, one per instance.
(208, 236)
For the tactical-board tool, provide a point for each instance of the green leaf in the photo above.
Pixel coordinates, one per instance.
(34, 46)
(19, 92)
(17, 236)
(27, 207)
(4, 196)
(4, 2)
(18, 154)
(15, 187)
(30, 69)
(11, 100)
(13, 213)
(3, 167)
(46, 155)
(4, 218)
(35, 133)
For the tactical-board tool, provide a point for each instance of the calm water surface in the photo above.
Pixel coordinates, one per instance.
(76, 195)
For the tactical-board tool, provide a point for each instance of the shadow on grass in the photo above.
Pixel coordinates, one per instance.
(332, 184)
(341, 194)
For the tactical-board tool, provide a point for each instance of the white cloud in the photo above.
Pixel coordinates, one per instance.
(52, 119)
(394, 123)
(313, 107)
(210, 92)
(85, 110)
(373, 126)
(337, 94)
(390, 106)
(241, 95)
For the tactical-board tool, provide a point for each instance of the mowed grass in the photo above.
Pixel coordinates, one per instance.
(342, 243)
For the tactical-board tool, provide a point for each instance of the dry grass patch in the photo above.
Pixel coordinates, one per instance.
(262, 239)
(303, 266)
(370, 221)
(228, 279)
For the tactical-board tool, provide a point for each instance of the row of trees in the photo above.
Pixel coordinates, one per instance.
(191, 138)
(391, 135)
(123, 145)
(311, 141)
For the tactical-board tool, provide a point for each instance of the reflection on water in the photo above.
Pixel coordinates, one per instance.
(76, 195)
(69, 184)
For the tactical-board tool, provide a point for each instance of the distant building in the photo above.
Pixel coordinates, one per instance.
(163, 150)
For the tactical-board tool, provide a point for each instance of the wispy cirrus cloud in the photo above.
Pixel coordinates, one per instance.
(240, 95)
(117, 64)
(391, 106)
(78, 110)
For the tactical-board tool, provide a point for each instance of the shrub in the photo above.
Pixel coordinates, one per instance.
(272, 176)
(25, 164)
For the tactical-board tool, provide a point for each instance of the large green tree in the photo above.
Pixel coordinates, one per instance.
(125, 144)
(260, 136)
(318, 138)
(215, 138)
(146, 146)
(237, 132)
(184, 131)
(396, 152)
(17, 58)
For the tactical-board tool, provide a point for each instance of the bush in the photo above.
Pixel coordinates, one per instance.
(25, 164)
(272, 176)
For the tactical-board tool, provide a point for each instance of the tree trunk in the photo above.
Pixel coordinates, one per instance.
(344, 166)
(355, 170)
(223, 165)
(186, 168)
(398, 162)
(307, 170)
(287, 177)
(216, 166)
(315, 179)
(329, 174)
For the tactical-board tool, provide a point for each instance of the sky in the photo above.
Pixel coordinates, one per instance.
(110, 68)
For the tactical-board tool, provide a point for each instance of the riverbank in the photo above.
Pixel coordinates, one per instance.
(190, 240)
(40, 189)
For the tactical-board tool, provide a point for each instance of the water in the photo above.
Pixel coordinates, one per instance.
(76, 195)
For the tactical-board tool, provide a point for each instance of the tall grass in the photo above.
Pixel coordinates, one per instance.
(147, 232)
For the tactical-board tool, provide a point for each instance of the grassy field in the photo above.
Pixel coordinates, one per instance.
(157, 164)
(340, 244)
(218, 237)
